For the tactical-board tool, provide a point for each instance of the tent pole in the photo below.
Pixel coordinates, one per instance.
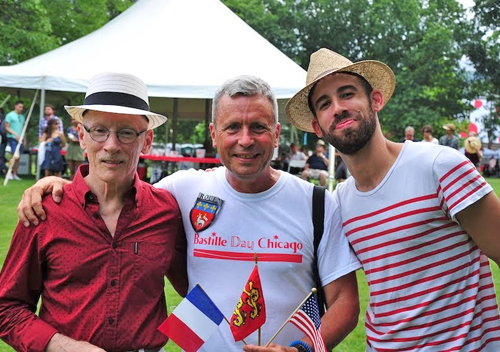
(5, 101)
(175, 116)
(207, 122)
(16, 154)
(42, 106)
(331, 167)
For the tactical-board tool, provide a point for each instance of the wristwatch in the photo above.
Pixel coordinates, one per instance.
(301, 346)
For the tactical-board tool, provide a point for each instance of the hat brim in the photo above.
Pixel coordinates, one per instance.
(378, 74)
(472, 144)
(154, 119)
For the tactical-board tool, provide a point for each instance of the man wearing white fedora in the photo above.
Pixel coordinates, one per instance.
(98, 262)
(247, 207)
(421, 219)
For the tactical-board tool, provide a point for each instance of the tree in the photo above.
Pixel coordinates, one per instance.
(25, 30)
(420, 40)
(29, 28)
(71, 20)
(483, 49)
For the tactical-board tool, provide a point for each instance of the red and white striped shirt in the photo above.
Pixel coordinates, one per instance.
(430, 286)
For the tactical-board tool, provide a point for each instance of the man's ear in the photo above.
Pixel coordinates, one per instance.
(81, 134)
(377, 100)
(212, 134)
(317, 129)
(148, 142)
(277, 135)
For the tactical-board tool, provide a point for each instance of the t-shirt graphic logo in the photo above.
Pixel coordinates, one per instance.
(205, 210)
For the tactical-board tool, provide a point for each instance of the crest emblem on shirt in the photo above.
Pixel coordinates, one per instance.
(205, 210)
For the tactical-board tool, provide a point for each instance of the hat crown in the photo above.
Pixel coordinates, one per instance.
(323, 62)
(118, 83)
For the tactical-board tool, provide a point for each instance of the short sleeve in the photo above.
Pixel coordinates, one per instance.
(335, 255)
(459, 183)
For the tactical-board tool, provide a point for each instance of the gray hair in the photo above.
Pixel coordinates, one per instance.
(247, 86)
(409, 129)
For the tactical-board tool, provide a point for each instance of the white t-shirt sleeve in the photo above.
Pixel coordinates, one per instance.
(165, 183)
(335, 255)
(459, 183)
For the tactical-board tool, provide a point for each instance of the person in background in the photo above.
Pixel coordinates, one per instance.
(473, 149)
(420, 217)
(75, 155)
(428, 137)
(54, 141)
(3, 143)
(449, 139)
(49, 114)
(409, 135)
(99, 260)
(317, 164)
(14, 123)
(295, 154)
(304, 150)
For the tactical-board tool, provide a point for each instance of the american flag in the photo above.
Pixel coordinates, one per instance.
(307, 319)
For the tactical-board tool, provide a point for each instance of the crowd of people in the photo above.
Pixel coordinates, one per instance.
(418, 218)
(51, 137)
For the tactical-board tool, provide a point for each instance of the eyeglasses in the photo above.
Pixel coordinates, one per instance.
(101, 134)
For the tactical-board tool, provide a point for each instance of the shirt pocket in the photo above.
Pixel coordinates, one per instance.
(149, 265)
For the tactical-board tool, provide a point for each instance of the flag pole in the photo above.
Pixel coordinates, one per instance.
(243, 340)
(313, 290)
(222, 314)
(259, 331)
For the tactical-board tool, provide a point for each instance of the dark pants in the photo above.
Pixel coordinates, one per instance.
(3, 161)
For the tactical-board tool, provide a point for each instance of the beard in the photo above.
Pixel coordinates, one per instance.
(351, 140)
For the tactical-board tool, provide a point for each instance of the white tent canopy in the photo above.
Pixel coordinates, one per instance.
(180, 48)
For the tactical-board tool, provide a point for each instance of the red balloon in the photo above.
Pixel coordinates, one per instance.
(463, 134)
(472, 127)
(478, 103)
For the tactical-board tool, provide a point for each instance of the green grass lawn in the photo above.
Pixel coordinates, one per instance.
(11, 194)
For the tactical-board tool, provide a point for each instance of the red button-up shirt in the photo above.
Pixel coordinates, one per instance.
(106, 290)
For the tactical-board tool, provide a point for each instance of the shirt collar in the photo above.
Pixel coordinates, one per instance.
(85, 195)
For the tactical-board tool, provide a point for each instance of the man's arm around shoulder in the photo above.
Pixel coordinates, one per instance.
(30, 209)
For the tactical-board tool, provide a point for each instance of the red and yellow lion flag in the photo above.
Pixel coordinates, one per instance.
(250, 312)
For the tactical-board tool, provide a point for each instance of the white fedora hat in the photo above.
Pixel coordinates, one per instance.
(118, 93)
(325, 62)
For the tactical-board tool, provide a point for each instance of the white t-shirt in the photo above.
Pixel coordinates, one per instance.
(298, 156)
(433, 141)
(430, 286)
(275, 224)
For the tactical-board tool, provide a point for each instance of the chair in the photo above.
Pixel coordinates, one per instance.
(297, 164)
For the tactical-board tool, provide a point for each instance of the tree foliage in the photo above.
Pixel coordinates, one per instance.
(25, 30)
(32, 27)
(29, 28)
(483, 49)
(420, 40)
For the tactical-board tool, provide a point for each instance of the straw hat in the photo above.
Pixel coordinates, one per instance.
(325, 62)
(118, 93)
(321, 142)
(472, 145)
(450, 127)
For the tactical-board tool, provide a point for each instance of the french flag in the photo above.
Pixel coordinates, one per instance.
(193, 321)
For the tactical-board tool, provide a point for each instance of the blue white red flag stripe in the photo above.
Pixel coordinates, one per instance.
(307, 319)
(193, 321)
